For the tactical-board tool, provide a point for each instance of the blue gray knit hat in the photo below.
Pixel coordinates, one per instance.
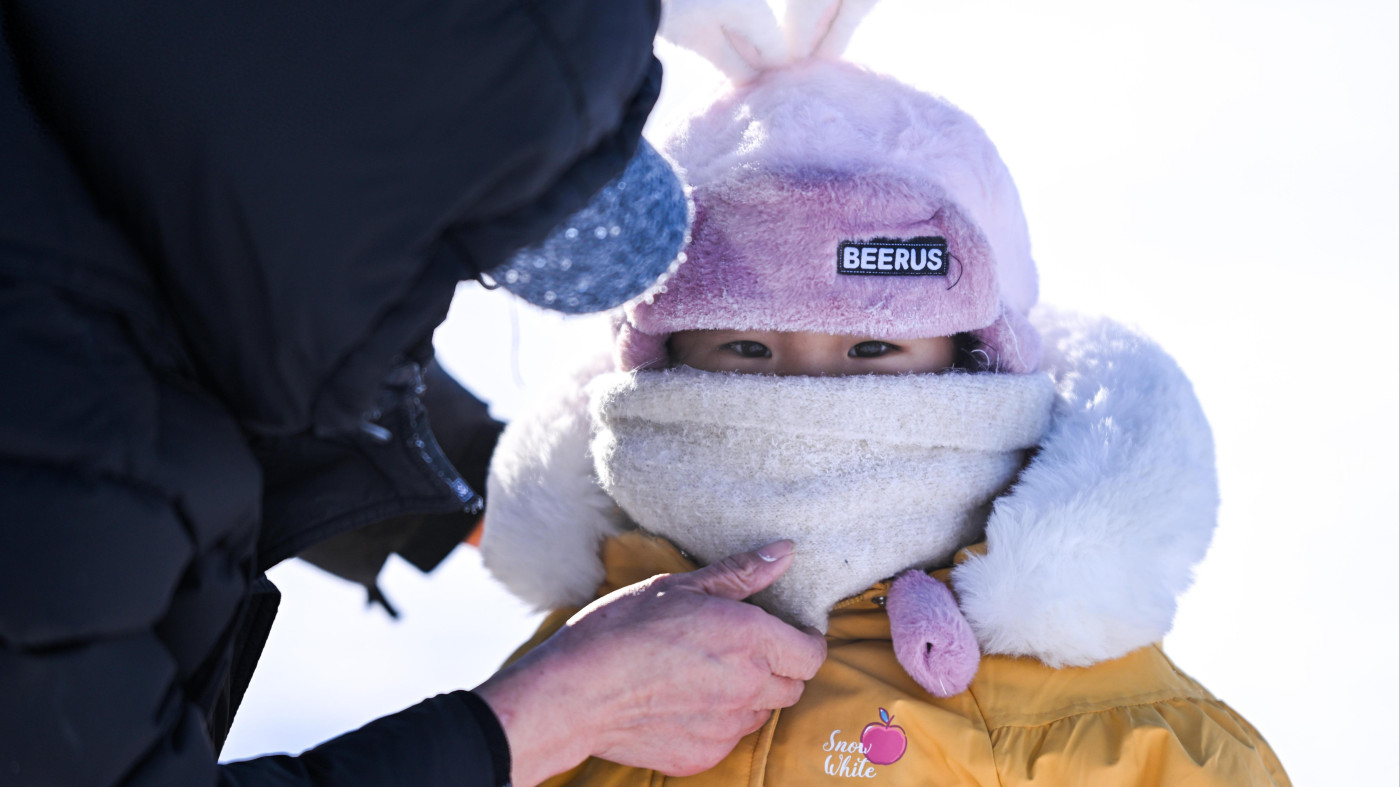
(617, 246)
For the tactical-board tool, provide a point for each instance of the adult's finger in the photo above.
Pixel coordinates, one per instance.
(757, 721)
(739, 576)
(779, 692)
(792, 653)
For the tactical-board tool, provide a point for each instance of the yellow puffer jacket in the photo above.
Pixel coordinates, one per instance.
(1069, 596)
(1135, 720)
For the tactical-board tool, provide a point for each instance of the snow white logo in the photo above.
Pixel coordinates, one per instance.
(880, 743)
(884, 743)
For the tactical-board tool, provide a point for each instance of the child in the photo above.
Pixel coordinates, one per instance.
(846, 360)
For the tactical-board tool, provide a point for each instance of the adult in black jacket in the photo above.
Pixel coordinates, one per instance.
(227, 230)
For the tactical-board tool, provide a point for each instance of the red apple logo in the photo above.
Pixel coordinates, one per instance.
(884, 743)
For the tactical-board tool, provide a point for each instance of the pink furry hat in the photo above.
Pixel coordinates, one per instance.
(825, 195)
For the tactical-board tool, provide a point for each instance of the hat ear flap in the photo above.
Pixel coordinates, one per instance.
(740, 37)
(822, 28)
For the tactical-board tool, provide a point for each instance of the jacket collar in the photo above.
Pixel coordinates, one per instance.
(635, 555)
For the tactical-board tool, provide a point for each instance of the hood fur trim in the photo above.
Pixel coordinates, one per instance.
(1086, 555)
(548, 515)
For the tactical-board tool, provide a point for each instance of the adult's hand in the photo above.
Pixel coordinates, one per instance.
(666, 674)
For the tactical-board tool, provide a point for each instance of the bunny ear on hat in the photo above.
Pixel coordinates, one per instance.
(742, 38)
(822, 28)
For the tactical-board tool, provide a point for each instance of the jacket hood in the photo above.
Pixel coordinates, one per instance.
(1086, 554)
(309, 181)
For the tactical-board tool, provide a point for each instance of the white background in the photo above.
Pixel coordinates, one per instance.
(1224, 175)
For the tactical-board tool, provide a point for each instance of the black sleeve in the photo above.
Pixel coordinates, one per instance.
(450, 739)
(126, 565)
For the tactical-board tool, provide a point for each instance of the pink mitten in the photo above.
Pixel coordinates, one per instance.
(932, 640)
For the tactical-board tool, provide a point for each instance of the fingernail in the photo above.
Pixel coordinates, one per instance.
(775, 551)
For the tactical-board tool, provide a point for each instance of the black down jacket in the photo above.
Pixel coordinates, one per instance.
(227, 231)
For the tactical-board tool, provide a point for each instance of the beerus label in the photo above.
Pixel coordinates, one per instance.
(886, 257)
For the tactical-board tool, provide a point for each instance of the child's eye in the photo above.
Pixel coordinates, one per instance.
(747, 349)
(871, 349)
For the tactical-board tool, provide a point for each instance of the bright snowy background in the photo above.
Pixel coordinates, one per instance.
(1223, 174)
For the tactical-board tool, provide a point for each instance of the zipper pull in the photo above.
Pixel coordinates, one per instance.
(374, 430)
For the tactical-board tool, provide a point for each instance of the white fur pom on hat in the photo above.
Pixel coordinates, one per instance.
(832, 199)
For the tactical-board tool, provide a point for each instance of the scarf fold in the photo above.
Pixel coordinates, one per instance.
(868, 475)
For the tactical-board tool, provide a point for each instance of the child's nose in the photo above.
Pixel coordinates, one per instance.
(812, 363)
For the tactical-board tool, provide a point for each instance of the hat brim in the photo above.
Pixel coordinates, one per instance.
(617, 247)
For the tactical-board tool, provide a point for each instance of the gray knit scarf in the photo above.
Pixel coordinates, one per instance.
(868, 475)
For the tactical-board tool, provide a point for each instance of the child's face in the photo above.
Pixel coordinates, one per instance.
(814, 354)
